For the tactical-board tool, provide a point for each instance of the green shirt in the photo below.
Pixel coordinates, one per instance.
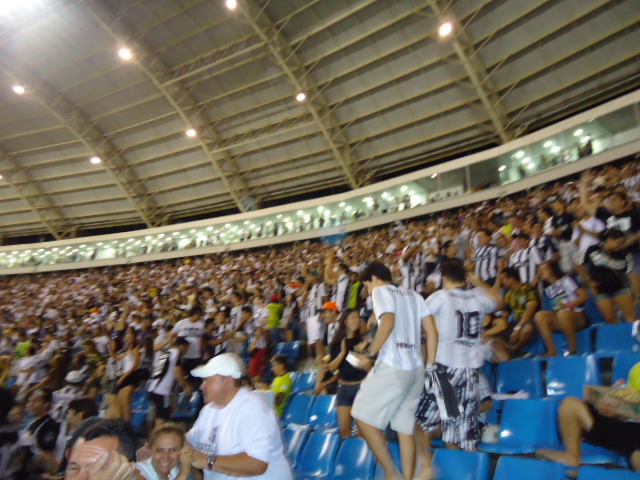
(21, 349)
(275, 314)
(282, 384)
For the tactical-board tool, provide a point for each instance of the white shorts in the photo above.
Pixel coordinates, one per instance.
(389, 396)
(315, 329)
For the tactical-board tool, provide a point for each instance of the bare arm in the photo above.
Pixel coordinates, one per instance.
(585, 184)
(431, 332)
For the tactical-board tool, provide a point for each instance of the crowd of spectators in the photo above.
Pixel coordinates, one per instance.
(77, 345)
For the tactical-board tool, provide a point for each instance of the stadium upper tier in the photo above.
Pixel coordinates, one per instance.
(608, 132)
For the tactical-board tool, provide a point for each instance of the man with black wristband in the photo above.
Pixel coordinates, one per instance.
(236, 433)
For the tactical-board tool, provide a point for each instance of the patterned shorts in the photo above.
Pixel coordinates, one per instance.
(463, 430)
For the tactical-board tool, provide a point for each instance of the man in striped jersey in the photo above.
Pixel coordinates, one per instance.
(458, 314)
(391, 391)
(487, 259)
(524, 259)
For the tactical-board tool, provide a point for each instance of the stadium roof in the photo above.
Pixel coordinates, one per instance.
(97, 97)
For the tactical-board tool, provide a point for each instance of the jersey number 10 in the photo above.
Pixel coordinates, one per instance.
(468, 324)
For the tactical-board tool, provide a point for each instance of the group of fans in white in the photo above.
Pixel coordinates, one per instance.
(419, 306)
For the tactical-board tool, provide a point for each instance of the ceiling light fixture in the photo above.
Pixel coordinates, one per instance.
(445, 29)
(125, 53)
(95, 160)
(191, 132)
(301, 97)
(18, 89)
(434, 175)
(502, 168)
(231, 4)
(578, 132)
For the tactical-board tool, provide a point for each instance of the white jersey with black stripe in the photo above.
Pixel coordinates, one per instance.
(459, 314)
(402, 349)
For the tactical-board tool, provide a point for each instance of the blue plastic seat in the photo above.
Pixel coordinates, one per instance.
(460, 465)
(293, 440)
(188, 407)
(584, 342)
(489, 371)
(305, 381)
(616, 338)
(140, 405)
(322, 413)
(354, 461)
(317, 456)
(599, 473)
(526, 426)
(297, 410)
(523, 374)
(567, 376)
(593, 313)
(292, 350)
(591, 454)
(510, 468)
(280, 349)
(622, 364)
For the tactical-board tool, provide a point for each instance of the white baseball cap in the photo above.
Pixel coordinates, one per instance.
(225, 364)
(74, 376)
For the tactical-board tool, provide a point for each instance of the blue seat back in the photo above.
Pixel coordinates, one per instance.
(322, 413)
(188, 406)
(316, 459)
(598, 473)
(622, 364)
(297, 410)
(529, 423)
(460, 465)
(140, 405)
(567, 376)
(292, 350)
(293, 440)
(584, 342)
(354, 461)
(510, 468)
(280, 348)
(524, 374)
(593, 313)
(305, 381)
(616, 338)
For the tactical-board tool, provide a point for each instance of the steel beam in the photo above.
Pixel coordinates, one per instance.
(29, 190)
(293, 67)
(95, 140)
(178, 97)
(463, 48)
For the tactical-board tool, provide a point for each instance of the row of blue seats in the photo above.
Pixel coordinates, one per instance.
(323, 456)
(291, 350)
(557, 376)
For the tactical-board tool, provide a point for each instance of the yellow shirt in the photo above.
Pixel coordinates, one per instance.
(282, 384)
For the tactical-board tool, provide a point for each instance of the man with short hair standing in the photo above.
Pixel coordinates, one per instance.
(236, 433)
(391, 391)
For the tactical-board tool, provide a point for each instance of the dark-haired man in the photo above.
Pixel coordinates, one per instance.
(390, 393)
(523, 302)
(38, 439)
(458, 314)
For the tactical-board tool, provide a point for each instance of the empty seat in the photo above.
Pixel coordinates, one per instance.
(297, 411)
(591, 454)
(354, 461)
(599, 473)
(280, 348)
(615, 338)
(622, 364)
(526, 426)
(317, 456)
(567, 376)
(460, 465)
(305, 381)
(293, 440)
(188, 407)
(510, 468)
(524, 374)
(322, 413)
(292, 350)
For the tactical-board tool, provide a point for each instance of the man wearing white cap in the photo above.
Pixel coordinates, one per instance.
(236, 434)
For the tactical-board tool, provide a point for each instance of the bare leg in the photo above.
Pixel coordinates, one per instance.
(375, 440)
(635, 461)
(344, 420)
(605, 305)
(407, 455)
(568, 322)
(526, 334)
(627, 306)
(124, 401)
(113, 406)
(545, 321)
(634, 280)
(574, 419)
(424, 456)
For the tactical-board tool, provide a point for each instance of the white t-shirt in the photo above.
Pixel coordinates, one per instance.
(402, 349)
(60, 401)
(164, 385)
(459, 314)
(192, 332)
(245, 425)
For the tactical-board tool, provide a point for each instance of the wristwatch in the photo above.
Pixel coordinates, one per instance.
(370, 355)
(211, 459)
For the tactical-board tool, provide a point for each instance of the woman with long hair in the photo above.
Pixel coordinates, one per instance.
(129, 379)
(348, 338)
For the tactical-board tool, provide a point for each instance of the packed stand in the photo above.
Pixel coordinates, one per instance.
(402, 326)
